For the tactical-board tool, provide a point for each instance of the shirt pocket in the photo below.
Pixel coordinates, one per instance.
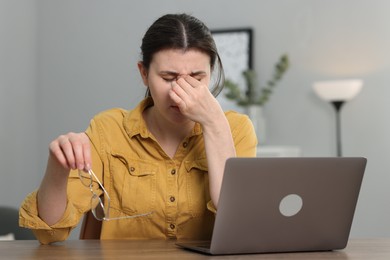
(198, 193)
(134, 184)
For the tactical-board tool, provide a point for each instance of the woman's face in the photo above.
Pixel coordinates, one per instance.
(166, 67)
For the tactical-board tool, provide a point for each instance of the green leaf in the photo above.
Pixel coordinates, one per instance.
(254, 95)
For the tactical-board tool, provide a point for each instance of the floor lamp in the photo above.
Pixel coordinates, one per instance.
(338, 92)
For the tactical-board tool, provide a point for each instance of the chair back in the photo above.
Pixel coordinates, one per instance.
(91, 227)
(9, 224)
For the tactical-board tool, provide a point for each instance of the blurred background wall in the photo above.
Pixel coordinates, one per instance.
(61, 62)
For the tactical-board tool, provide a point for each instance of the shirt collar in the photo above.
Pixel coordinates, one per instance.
(135, 124)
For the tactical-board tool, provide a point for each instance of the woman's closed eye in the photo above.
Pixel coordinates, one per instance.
(199, 76)
(169, 76)
(169, 79)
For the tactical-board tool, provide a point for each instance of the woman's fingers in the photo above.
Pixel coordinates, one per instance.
(179, 96)
(187, 95)
(87, 155)
(195, 100)
(193, 82)
(186, 85)
(78, 154)
(56, 152)
(72, 151)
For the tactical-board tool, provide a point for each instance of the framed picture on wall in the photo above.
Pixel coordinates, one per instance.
(235, 47)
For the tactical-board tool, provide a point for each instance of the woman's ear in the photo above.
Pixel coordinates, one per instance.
(144, 73)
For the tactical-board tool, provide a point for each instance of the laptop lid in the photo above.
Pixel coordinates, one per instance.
(286, 204)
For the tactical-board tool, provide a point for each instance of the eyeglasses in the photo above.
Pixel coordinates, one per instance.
(100, 210)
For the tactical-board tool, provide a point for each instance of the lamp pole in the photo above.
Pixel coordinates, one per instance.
(337, 105)
(338, 92)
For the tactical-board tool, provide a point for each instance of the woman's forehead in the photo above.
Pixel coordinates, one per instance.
(180, 61)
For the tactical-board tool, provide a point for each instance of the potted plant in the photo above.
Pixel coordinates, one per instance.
(254, 97)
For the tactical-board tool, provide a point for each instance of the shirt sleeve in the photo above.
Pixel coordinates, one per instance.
(244, 135)
(79, 202)
(29, 218)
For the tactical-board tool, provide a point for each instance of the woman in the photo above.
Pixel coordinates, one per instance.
(158, 168)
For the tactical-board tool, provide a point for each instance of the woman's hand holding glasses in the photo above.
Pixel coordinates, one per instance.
(72, 151)
(69, 151)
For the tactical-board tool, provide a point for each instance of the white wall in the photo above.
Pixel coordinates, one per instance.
(18, 114)
(86, 62)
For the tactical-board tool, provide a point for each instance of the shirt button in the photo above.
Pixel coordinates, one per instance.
(185, 144)
(172, 226)
(132, 169)
(172, 199)
(173, 172)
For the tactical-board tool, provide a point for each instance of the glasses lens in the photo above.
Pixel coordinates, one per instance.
(86, 178)
(98, 207)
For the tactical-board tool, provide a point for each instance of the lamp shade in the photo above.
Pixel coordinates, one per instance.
(338, 90)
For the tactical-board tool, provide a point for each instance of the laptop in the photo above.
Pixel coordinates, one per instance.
(270, 205)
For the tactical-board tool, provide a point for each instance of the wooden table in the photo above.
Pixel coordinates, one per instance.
(156, 249)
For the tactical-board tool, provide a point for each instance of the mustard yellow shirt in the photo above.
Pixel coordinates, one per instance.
(140, 177)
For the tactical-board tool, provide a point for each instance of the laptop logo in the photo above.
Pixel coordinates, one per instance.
(290, 205)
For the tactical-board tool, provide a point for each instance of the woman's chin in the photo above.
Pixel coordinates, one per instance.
(178, 117)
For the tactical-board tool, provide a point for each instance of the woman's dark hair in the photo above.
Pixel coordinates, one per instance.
(184, 32)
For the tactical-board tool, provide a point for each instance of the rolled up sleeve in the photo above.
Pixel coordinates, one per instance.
(29, 218)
